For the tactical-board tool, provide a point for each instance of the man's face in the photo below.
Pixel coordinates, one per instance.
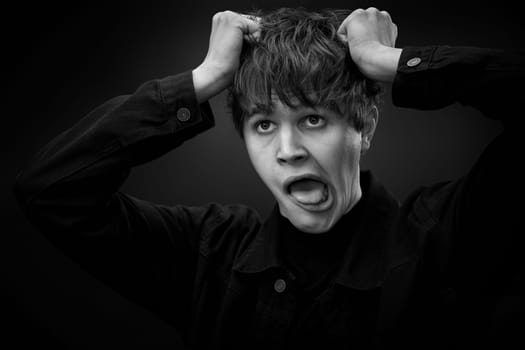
(309, 159)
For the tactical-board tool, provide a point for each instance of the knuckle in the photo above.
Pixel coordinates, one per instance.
(230, 15)
(356, 13)
(223, 15)
(372, 10)
(253, 18)
(217, 16)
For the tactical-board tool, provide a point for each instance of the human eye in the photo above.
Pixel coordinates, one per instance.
(314, 121)
(264, 126)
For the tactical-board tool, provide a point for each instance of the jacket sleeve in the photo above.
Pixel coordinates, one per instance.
(70, 192)
(489, 80)
(472, 227)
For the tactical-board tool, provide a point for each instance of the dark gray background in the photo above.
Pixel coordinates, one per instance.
(62, 61)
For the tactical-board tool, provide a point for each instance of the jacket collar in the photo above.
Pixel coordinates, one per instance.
(263, 253)
(363, 264)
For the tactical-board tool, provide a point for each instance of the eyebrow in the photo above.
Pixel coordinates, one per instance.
(250, 113)
(260, 109)
(256, 110)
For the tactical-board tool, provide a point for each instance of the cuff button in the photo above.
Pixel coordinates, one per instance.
(279, 285)
(183, 114)
(413, 61)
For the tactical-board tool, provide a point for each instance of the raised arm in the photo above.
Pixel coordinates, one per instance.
(470, 226)
(70, 190)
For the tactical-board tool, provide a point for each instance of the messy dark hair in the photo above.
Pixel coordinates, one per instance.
(299, 59)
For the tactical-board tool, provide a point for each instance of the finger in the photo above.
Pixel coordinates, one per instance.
(251, 17)
(251, 38)
(395, 32)
(342, 37)
(341, 31)
(356, 12)
(250, 27)
(250, 23)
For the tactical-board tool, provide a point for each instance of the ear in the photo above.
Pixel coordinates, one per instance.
(369, 128)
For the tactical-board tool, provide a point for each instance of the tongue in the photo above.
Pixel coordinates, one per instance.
(307, 191)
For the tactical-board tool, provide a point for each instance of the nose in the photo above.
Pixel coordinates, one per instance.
(290, 149)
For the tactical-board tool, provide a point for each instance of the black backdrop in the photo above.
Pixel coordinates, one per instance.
(64, 60)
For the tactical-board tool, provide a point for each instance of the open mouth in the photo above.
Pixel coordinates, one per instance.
(309, 191)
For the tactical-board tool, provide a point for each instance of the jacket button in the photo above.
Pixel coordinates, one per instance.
(279, 285)
(414, 61)
(183, 114)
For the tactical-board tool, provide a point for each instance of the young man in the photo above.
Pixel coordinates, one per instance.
(338, 262)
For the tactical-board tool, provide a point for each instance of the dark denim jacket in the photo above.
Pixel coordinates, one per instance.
(417, 275)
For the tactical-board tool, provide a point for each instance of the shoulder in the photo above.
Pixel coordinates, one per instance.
(209, 228)
(433, 204)
(222, 228)
(426, 214)
(425, 210)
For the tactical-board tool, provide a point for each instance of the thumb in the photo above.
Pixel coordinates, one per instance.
(341, 32)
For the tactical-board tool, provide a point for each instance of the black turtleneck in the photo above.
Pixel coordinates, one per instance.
(314, 258)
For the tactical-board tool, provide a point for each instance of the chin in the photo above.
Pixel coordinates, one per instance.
(313, 230)
(310, 223)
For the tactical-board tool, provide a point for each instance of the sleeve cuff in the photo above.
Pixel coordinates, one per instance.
(177, 93)
(411, 86)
